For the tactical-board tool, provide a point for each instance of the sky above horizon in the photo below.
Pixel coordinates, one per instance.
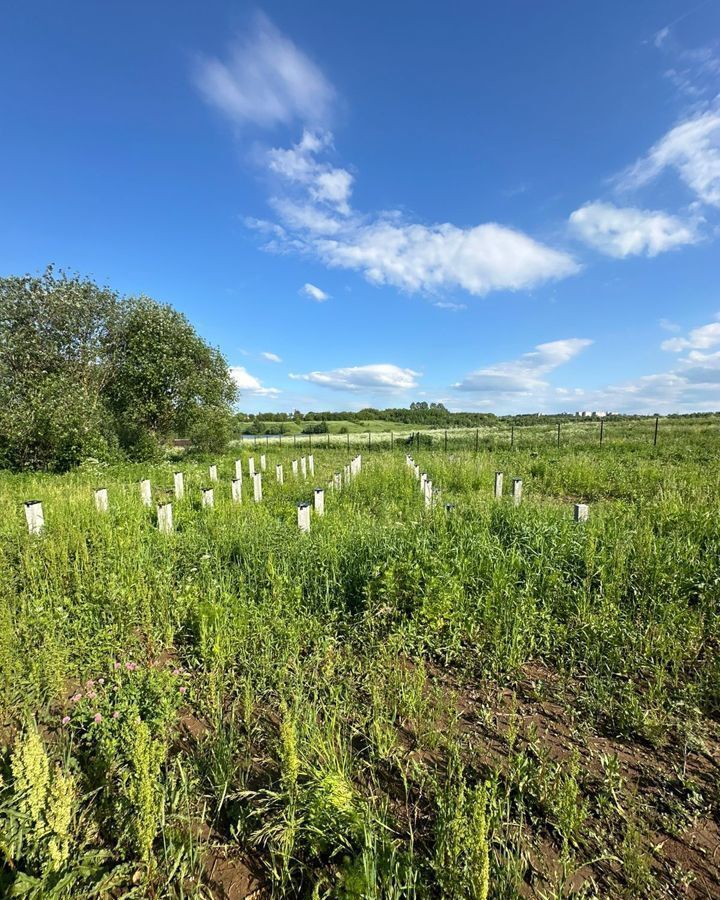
(503, 207)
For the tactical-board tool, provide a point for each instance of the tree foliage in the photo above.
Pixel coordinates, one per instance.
(85, 372)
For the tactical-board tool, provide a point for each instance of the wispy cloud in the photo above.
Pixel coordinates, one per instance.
(702, 338)
(249, 385)
(314, 292)
(628, 231)
(453, 307)
(381, 377)
(524, 376)
(265, 80)
(271, 357)
(691, 150)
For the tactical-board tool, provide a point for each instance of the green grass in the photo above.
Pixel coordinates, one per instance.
(359, 712)
(343, 426)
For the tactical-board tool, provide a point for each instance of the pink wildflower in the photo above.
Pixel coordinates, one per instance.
(101, 681)
(97, 718)
(117, 666)
(89, 683)
(176, 671)
(75, 698)
(65, 720)
(131, 666)
(116, 715)
(91, 695)
(182, 689)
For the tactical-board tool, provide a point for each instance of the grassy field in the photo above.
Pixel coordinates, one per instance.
(343, 426)
(483, 701)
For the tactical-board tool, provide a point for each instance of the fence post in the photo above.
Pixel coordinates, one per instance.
(477, 439)
(179, 485)
(392, 441)
(602, 422)
(558, 437)
(279, 474)
(213, 473)
(263, 462)
(446, 440)
(319, 496)
(257, 487)
(165, 518)
(101, 500)
(236, 490)
(295, 468)
(34, 516)
(657, 420)
(512, 435)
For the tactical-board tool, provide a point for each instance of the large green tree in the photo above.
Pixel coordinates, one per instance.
(84, 372)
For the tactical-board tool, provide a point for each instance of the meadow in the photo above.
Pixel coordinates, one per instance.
(477, 699)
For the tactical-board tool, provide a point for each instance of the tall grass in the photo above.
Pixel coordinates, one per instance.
(285, 696)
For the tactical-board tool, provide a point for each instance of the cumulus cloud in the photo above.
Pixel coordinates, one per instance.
(250, 385)
(690, 149)
(524, 376)
(314, 293)
(417, 257)
(383, 377)
(271, 357)
(265, 80)
(316, 219)
(629, 231)
(702, 338)
(299, 165)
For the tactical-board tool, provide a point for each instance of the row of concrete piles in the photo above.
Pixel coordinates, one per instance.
(336, 483)
(35, 517)
(581, 511)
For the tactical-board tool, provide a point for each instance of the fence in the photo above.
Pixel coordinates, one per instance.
(648, 431)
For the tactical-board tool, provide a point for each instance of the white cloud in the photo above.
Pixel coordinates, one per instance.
(248, 384)
(417, 257)
(298, 165)
(383, 377)
(453, 307)
(702, 338)
(661, 36)
(314, 293)
(265, 80)
(628, 231)
(271, 357)
(692, 150)
(316, 219)
(669, 325)
(524, 376)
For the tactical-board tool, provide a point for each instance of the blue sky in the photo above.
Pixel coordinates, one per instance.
(501, 206)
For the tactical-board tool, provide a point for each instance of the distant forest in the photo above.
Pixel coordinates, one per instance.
(427, 415)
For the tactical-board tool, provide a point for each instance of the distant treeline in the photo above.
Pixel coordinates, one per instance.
(426, 415)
